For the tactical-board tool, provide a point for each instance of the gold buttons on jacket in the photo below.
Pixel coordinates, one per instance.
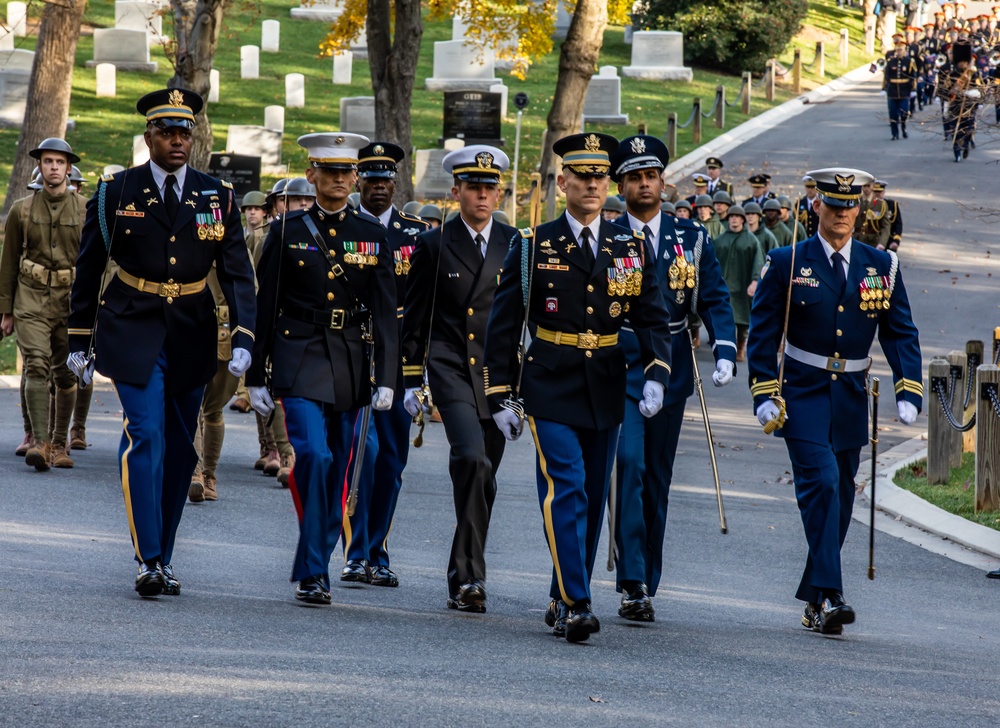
(833, 377)
(590, 309)
(471, 312)
(329, 296)
(173, 238)
(590, 288)
(839, 332)
(330, 275)
(840, 309)
(472, 360)
(472, 337)
(173, 261)
(302, 263)
(588, 353)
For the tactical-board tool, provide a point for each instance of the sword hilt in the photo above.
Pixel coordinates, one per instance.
(778, 422)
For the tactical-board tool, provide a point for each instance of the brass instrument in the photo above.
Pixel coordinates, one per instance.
(940, 60)
(877, 65)
(994, 59)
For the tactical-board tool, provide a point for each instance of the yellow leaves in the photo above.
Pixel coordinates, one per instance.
(618, 11)
(348, 27)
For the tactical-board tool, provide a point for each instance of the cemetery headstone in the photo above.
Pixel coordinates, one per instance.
(15, 75)
(6, 39)
(604, 95)
(472, 116)
(140, 15)
(255, 141)
(106, 87)
(563, 20)
(458, 66)
(326, 12)
(249, 61)
(357, 115)
(127, 49)
(274, 117)
(343, 65)
(242, 171)
(213, 86)
(17, 18)
(140, 152)
(432, 182)
(270, 36)
(658, 55)
(295, 91)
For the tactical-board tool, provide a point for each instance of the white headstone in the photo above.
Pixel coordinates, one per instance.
(563, 20)
(458, 28)
(357, 115)
(112, 169)
(432, 182)
(604, 96)
(17, 18)
(343, 64)
(658, 55)
(274, 118)
(326, 12)
(502, 90)
(139, 15)
(15, 76)
(127, 49)
(106, 80)
(249, 61)
(359, 46)
(270, 36)
(255, 141)
(460, 67)
(6, 39)
(213, 86)
(295, 91)
(450, 145)
(140, 152)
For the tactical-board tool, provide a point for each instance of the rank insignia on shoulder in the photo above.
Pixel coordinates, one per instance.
(108, 178)
(227, 185)
(527, 233)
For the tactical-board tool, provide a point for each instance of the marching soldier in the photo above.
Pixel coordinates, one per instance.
(753, 214)
(722, 201)
(325, 286)
(894, 215)
(583, 276)
(453, 277)
(153, 327)
(366, 532)
(682, 210)
(705, 208)
(700, 183)
(899, 86)
(788, 221)
(741, 258)
(964, 89)
(682, 260)
(760, 186)
(872, 224)
(839, 295)
(713, 167)
(781, 235)
(36, 274)
(804, 208)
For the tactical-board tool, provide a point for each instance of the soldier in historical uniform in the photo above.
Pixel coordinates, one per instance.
(453, 277)
(722, 201)
(366, 532)
(326, 307)
(683, 210)
(754, 213)
(793, 225)
(805, 211)
(704, 207)
(841, 295)
(760, 189)
(772, 223)
(899, 86)
(682, 259)
(741, 259)
(713, 168)
(154, 326)
(578, 277)
(36, 274)
(872, 225)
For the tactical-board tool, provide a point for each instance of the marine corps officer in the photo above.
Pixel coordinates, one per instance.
(165, 224)
(841, 295)
(577, 277)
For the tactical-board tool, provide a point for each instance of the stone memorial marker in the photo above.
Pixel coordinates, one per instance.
(242, 171)
(458, 66)
(502, 90)
(140, 15)
(17, 18)
(343, 65)
(450, 145)
(270, 36)
(295, 91)
(458, 27)
(274, 118)
(6, 39)
(213, 86)
(255, 141)
(658, 55)
(106, 87)
(472, 116)
(357, 115)
(604, 97)
(326, 12)
(249, 61)
(359, 46)
(140, 152)
(127, 49)
(112, 169)
(15, 75)
(432, 182)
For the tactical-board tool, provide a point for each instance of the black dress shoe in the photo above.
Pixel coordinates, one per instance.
(471, 597)
(993, 574)
(835, 614)
(965, 153)
(581, 622)
(171, 585)
(356, 570)
(636, 604)
(555, 617)
(312, 590)
(810, 617)
(384, 576)
(149, 580)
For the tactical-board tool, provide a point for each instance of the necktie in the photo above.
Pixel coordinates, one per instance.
(837, 261)
(649, 240)
(588, 250)
(170, 197)
(481, 242)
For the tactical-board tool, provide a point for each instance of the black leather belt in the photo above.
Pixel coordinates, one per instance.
(336, 319)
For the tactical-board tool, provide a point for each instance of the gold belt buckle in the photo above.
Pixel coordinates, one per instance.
(170, 290)
(587, 341)
(835, 365)
(337, 318)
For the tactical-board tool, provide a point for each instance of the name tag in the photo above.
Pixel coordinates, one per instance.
(550, 266)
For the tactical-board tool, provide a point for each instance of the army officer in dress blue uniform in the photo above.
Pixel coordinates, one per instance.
(366, 532)
(325, 289)
(842, 294)
(154, 327)
(681, 258)
(579, 277)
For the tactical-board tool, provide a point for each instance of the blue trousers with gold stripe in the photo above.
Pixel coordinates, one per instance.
(156, 458)
(355, 537)
(321, 437)
(572, 473)
(824, 489)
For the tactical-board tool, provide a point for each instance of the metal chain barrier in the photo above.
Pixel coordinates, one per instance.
(763, 79)
(938, 387)
(969, 380)
(715, 105)
(743, 88)
(994, 399)
(687, 123)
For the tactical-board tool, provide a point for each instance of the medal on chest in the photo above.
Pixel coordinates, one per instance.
(681, 273)
(625, 277)
(360, 254)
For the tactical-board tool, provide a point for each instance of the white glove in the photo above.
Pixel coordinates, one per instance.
(882, 93)
(240, 362)
(913, 94)
(652, 398)
(411, 403)
(509, 424)
(382, 399)
(767, 412)
(82, 367)
(723, 373)
(261, 401)
(907, 412)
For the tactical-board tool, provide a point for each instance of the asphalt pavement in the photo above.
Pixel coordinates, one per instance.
(78, 647)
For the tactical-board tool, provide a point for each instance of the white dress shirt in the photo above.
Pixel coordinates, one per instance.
(576, 227)
(160, 178)
(654, 229)
(485, 232)
(383, 218)
(829, 251)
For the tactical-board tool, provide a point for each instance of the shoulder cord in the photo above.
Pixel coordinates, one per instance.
(697, 272)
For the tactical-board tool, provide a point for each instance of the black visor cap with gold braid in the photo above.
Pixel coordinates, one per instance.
(588, 155)
(170, 107)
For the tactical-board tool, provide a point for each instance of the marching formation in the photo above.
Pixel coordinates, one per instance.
(342, 321)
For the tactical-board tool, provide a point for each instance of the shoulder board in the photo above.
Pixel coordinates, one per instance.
(107, 177)
(408, 216)
(639, 234)
(681, 222)
(527, 232)
(227, 185)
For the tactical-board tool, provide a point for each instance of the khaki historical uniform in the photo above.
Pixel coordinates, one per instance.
(37, 269)
(873, 224)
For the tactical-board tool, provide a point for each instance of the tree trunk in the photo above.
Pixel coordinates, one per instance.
(577, 63)
(393, 63)
(197, 24)
(48, 90)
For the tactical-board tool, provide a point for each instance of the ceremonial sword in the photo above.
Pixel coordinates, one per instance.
(874, 440)
(708, 433)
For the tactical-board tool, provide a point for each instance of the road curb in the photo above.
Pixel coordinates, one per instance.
(905, 506)
(13, 381)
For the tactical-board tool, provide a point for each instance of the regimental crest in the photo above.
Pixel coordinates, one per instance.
(379, 150)
(592, 143)
(484, 160)
(638, 145)
(844, 183)
(175, 98)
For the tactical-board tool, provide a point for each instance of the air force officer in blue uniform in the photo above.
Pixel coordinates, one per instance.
(842, 294)
(679, 254)
(156, 337)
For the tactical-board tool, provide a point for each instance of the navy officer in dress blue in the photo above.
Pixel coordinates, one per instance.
(325, 288)
(153, 329)
(579, 277)
(841, 294)
(680, 256)
(366, 533)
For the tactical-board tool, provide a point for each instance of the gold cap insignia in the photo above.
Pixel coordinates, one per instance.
(176, 98)
(379, 150)
(592, 143)
(638, 145)
(844, 182)
(339, 140)
(484, 160)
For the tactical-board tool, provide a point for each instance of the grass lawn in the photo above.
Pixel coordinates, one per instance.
(8, 355)
(958, 496)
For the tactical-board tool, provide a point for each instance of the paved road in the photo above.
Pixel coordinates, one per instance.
(78, 647)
